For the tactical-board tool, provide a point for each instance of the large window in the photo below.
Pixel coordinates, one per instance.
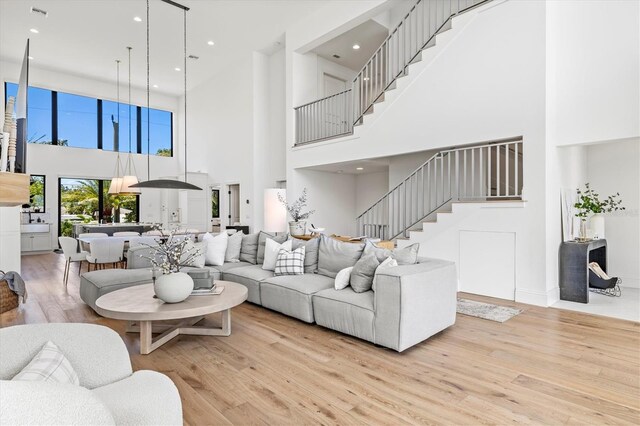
(39, 111)
(65, 119)
(88, 201)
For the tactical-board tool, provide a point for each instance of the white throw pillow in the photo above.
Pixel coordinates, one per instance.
(271, 250)
(389, 262)
(216, 248)
(190, 250)
(49, 365)
(342, 278)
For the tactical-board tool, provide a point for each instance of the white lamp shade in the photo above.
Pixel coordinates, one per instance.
(275, 213)
(126, 189)
(116, 184)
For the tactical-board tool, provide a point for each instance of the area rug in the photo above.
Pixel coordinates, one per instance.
(486, 311)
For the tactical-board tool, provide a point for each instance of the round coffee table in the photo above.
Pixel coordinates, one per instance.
(138, 306)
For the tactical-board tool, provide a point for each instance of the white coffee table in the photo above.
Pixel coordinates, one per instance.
(138, 306)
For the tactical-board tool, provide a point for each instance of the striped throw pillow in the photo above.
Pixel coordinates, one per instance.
(290, 262)
(49, 365)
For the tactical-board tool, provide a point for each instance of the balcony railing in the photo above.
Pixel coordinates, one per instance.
(326, 118)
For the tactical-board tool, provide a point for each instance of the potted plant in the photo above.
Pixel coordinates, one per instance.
(169, 284)
(589, 203)
(299, 224)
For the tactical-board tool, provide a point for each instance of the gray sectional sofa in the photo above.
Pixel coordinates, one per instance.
(409, 303)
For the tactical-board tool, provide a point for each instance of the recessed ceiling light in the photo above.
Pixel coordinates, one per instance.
(31, 58)
(137, 19)
(359, 168)
(356, 46)
(177, 69)
(366, 79)
(155, 86)
(210, 43)
(33, 30)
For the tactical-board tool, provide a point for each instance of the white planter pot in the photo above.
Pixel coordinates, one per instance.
(298, 228)
(596, 226)
(173, 288)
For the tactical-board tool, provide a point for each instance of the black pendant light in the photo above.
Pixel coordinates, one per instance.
(168, 183)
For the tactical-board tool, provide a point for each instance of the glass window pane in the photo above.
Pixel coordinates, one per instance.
(38, 113)
(160, 128)
(109, 115)
(119, 208)
(77, 121)
(36, 193)
(78, 203)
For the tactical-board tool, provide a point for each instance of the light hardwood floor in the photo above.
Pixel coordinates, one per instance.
(545, 366)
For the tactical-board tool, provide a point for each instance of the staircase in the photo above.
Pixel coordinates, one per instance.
(479, 173)
(336, 115)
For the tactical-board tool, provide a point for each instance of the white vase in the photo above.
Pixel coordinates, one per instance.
(298, 228)
(174, 287)
(596, 226)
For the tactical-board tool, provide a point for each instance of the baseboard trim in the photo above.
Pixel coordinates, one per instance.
(538, 298)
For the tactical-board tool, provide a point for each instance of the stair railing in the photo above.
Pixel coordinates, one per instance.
(476, 173)
(325, 118)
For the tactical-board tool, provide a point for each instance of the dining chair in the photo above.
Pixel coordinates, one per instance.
(105, 250)
(70, 250)
(85, 246)
(126, 234)
(138, 241)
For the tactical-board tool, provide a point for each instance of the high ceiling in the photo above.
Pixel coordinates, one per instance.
(85, 37)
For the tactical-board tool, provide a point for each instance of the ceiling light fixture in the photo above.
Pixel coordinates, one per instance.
(356, 46)
(31, 58)
(137, 19)
(177, 69)
(366, 79)
(359, 168)
(167, 183)
(33, 30)
(155, 86)
(210, 43)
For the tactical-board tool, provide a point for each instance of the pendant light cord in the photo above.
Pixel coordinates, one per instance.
(148, 89)
(185, 94)
(129, 48)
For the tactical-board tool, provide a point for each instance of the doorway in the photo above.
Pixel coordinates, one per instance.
(234, 204)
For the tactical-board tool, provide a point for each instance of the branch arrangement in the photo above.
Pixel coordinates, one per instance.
(589, 202)
(295, 209)
(172, 254)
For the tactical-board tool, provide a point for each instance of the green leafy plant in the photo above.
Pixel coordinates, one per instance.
(295, 209)
(589, 203)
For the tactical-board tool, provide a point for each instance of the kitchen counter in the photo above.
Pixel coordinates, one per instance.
(110, 228)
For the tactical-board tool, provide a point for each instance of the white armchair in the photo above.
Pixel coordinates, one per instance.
(109, 392)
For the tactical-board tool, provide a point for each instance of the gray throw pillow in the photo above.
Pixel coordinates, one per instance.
(362, 274)
(249, 248)
(234, 246)
(311, 253)
(404, 256)
(262, 241)
(334, 255)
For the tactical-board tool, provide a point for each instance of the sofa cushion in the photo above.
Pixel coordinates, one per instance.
(262, 241)
(345, 311)
(250, 277)
(216, 248)
(404, 256)
(234, 245)
(334, 255)
(227, 266)
(291, 294)
(310, 253)
(249, 248)
(145, 397)
(361, 278)
(97, 283)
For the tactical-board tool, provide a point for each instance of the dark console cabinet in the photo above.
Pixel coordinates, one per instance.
(574, 267)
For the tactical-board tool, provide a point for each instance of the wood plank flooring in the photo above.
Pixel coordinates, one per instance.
(545, 366)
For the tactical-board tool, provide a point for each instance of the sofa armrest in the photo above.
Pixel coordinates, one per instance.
(95, 352)
(414, 302)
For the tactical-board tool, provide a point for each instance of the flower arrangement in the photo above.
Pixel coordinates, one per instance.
(295, 209)
(172, 254)
(589, 203)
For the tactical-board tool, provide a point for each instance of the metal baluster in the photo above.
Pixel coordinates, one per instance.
(473, 171)
(480, 179)
(489, 171)
(507, 170)
(498, 170)
(464, 172)
(517, 171)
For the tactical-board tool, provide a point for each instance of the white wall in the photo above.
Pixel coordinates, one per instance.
(593, 57)
(611, 168)
(370, 187)
(401, 166)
